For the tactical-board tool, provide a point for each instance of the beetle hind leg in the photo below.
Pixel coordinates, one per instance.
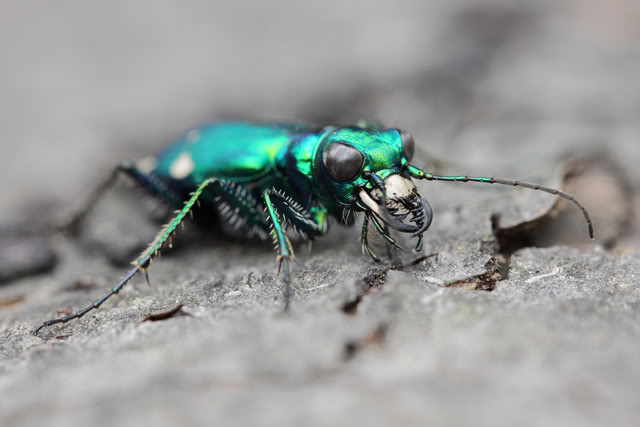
(146, 180)
(142, 263)
(239, 209)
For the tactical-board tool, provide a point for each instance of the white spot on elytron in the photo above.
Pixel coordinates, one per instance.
(182, 166)
(147, 164)
(193, 136)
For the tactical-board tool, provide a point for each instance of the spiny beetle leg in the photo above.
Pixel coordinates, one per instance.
(97, 303)
(365, 239)
(386, 236)
(74, 218)
(286, 278)
(144, 260)
(303, 221)
(384, 231)
(282, 244)
(146, 181)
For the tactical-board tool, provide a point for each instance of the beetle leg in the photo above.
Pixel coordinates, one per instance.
(387, 236)
(239, 208)
(365, 239)
(282, 244)
(307, 224)
(144, 260)
(145, 180)
(384, 231)
(74, 218)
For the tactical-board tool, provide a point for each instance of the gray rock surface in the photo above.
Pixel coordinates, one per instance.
(519, 320)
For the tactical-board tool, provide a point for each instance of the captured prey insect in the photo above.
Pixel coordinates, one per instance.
(269, 179)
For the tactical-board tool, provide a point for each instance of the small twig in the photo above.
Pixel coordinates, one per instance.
(542, 276)
(376, 337)
(414, 262)
(166, 314)
(62, 337)
(11, 301)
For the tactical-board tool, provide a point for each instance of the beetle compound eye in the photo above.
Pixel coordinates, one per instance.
(408, 144)
(342, 161)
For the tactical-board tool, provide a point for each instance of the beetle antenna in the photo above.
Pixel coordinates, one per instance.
(420, 174)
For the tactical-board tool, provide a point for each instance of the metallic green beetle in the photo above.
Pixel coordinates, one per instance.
(300, 175)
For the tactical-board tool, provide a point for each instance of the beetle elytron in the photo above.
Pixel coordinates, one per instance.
(265, 178)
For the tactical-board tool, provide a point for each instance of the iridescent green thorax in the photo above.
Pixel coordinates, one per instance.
(296, 161)
(381, 149)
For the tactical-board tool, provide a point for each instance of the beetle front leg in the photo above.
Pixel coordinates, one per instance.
(365, 238)
(283, 245)
(384, 233)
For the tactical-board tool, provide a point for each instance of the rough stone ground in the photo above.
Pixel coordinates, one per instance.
(523, 323)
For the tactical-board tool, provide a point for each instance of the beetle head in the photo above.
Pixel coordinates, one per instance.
(366, 170)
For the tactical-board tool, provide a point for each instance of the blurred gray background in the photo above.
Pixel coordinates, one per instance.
(85, 85)
(540, 90)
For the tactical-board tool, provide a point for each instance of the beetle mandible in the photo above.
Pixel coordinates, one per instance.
(267, 178)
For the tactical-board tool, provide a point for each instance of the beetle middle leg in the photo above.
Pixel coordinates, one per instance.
(304, 222)
(384, 231)
(283, 245)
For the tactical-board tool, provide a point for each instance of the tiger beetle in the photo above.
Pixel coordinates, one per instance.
(272, 179)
